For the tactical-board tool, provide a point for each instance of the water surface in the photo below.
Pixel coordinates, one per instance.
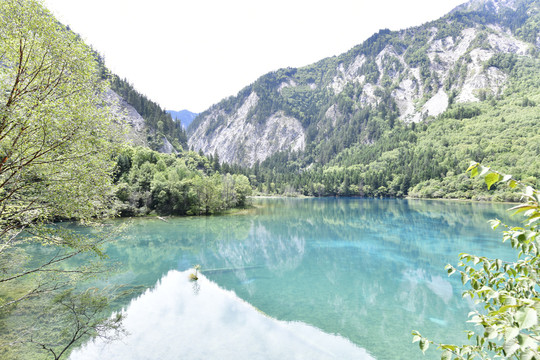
(330, 275)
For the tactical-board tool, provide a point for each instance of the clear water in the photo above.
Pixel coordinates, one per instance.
(336, 278)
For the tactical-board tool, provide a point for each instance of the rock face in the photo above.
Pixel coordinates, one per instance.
(237, 140)
(132, 124)
(408, 75)
(125, 115)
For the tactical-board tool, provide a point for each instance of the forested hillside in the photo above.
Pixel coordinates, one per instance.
(401, 114)
(161, 130)
(158, 120)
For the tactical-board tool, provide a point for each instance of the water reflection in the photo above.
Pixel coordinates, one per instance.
(369, 270)
(172, 321)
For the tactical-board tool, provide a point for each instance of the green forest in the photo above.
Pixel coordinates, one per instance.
(175, 184)
(426, 160)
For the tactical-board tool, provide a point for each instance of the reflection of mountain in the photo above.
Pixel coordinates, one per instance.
(274, 251)
(368, 269)
(172, 321)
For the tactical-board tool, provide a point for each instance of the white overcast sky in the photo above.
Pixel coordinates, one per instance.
(191, 54)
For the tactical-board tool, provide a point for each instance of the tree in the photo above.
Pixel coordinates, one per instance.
(228, 194)
(508, 291)
(56, 146)
(80, 317)
(208, 193)
(242, 189)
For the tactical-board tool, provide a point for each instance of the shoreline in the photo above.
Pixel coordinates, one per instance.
(373, 197)
(247, 210)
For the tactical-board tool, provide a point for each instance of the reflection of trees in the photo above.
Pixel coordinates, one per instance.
(367, 269)
(405, 224)
(276, 252)
(376, 262)
(151, 247)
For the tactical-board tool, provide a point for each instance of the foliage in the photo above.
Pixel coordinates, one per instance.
(186, 183)
(56, 146)
(507, 292)
(78, 316)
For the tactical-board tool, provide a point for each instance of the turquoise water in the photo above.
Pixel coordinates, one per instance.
(335, 278)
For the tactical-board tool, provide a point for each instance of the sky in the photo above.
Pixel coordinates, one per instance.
(192, 54)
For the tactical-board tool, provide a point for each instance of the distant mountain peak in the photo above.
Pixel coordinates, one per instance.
(184, 116)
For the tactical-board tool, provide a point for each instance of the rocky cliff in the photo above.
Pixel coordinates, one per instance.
(132, 124)
(234, 137)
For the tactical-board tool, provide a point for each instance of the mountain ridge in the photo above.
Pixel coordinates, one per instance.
(409, 76)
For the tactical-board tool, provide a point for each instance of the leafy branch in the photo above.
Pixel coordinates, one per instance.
(507, 292)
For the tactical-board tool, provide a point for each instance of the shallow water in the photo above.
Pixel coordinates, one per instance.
(348, 275)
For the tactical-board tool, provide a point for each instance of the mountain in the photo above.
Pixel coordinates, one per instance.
(185, 116)
(147, 123)
(395, 78)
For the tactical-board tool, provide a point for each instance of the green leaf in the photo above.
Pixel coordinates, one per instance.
(525, 341)
(447, 355)
(510, 333)
(522, 207)
(449, 347)
(473, 165)
(491, 179)
(494, 223)
(526, 318)
(510, 348)
(424, 345)
(526, 355)
(483, 170)
(491, 333)
(474, 172)
(512, 184)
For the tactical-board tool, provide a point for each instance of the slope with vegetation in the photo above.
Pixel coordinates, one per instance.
(162, 131)
(128, 106)
(395, 115)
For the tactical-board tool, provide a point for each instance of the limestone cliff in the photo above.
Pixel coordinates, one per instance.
(236, 139)
(132, 124)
